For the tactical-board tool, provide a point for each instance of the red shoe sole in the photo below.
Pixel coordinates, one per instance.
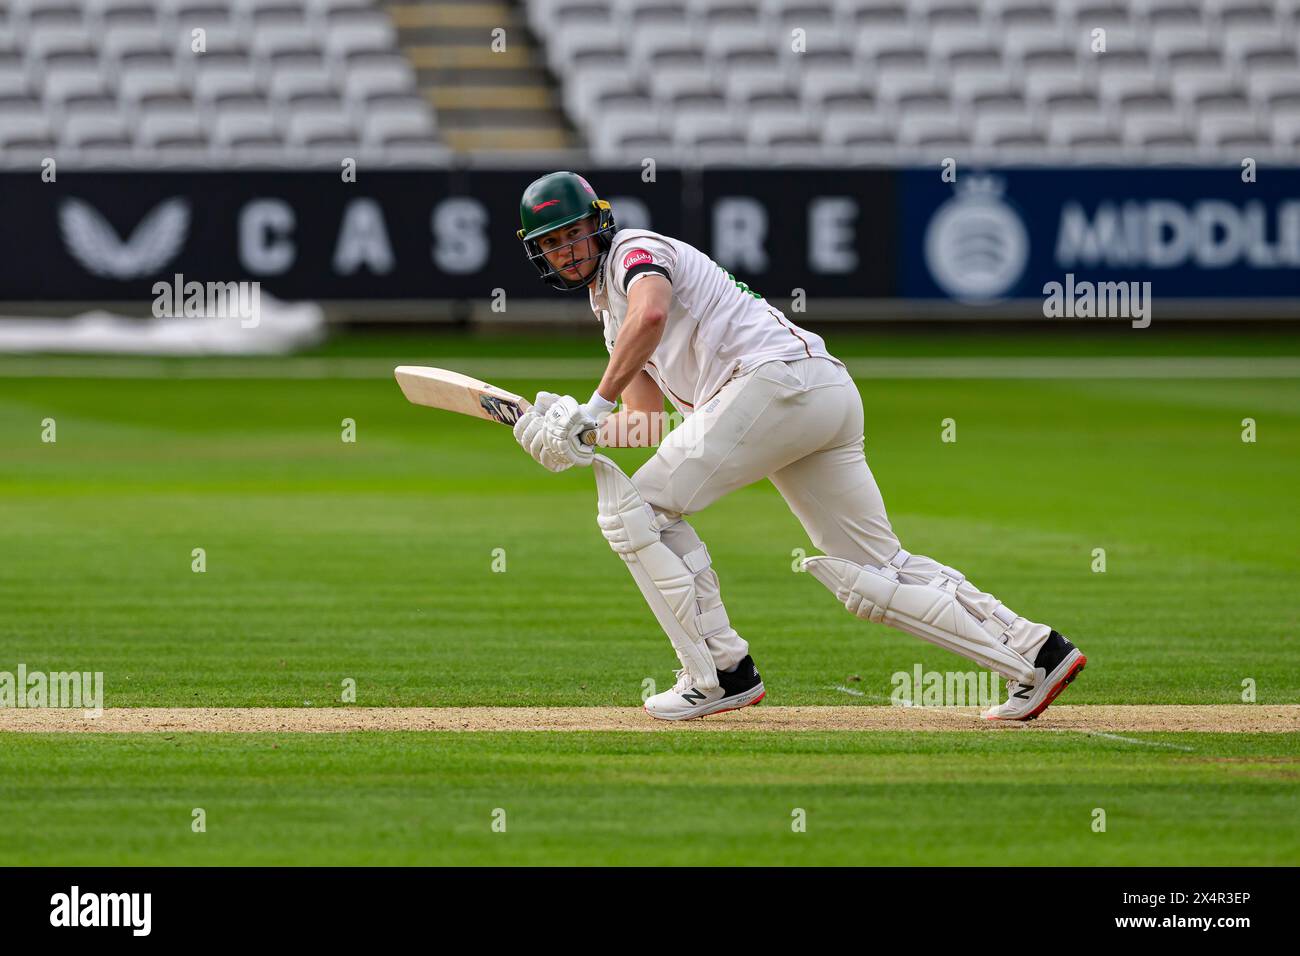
(741, 707)
(1051, 694)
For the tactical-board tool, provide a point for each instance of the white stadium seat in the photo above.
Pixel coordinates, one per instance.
(859, 131)
(670, 85)
(367, 81)
(1275, 91)
(638, 14)
(1166, 13)
(102, 131)
(1207, 93)
(729, 47)
(108, 14)
(589, 85)
(1232, 133)
(1006, 132)
(818, 88)
(14, 83)
(1253, 14)
(289, 85)
(587, 45)
(381, 129)
(692, 128)
(736, 13)
(319, 129)
(25, 133)
(616, 141)
(1072, 130)
(170, 132)
(258, 15)
(1037, 44)
(933, 130)
(185, 15)
(1163, 131)
(745, 86)
(664, 46)
(61, 87)
(913, 94)
(225, 85)
(1286, 131)
(873, 14)
(1021, 13)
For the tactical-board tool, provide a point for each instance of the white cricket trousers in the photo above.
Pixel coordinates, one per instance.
(798, 423)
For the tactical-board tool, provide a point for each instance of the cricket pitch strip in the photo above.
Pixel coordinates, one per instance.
(1209, 718)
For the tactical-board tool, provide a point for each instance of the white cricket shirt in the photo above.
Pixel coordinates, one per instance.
(716, 326)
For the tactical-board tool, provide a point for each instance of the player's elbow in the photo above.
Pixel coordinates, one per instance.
(654, 317)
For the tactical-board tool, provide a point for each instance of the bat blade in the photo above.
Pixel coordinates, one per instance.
(456, 392)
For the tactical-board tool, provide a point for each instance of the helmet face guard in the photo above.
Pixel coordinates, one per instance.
(602, 235)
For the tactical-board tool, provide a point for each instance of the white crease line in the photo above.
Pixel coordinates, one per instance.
(1130, 740)
(859, 693)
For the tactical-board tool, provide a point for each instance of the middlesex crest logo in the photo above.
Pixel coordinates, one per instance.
(637, 257)
(976, 244)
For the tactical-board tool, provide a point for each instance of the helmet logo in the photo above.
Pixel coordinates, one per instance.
(586, 185)
(637, 257)
(549, 202)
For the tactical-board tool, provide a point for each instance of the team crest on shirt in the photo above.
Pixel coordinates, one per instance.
(637, 257)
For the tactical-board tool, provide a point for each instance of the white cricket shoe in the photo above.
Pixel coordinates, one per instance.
(736, 689)
(1058, 662)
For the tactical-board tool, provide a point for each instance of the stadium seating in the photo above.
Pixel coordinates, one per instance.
(293, 82)
(299, 82)
(846, 81)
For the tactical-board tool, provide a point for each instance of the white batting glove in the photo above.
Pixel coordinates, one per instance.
(542, 404)
(566, 420)
(530, 432)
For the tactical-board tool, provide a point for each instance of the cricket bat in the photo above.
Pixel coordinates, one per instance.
(454, 392)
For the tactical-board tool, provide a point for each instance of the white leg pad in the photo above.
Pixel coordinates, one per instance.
(666, 580)
(931, 612)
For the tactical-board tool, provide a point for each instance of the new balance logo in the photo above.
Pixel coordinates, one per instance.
(694, 696)
(1024, 692)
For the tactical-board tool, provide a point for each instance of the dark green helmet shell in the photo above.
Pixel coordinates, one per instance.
(553, 202)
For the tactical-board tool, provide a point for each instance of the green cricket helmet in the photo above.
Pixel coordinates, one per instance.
(553, 202)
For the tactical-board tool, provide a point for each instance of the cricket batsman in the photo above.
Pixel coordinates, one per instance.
(762, 398)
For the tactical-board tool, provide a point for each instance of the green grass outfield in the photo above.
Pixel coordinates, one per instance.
(374, 561)
(1023, 799)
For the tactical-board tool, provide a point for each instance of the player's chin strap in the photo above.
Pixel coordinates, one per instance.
(666, 580)
(931, 611)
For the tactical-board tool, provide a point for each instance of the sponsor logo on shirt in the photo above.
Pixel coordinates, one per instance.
(637, 257)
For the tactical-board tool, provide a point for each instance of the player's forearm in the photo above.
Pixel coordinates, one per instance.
(631, 428)
(637, 340)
